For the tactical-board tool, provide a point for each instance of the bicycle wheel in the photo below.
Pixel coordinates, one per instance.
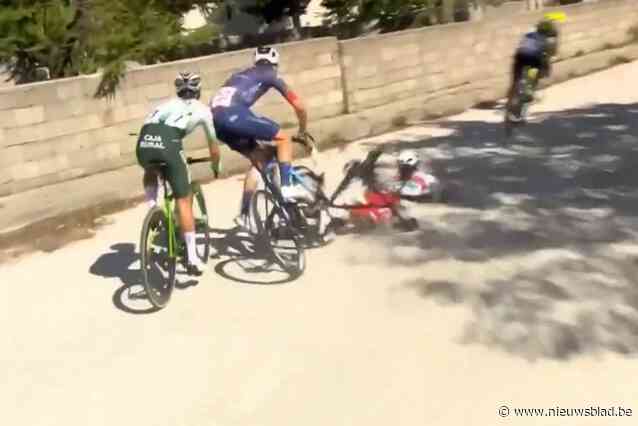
(158, 267)
(514, 107)
(276, 234)
(202, 229)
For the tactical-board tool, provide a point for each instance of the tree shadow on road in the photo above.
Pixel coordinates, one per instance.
(543, 228)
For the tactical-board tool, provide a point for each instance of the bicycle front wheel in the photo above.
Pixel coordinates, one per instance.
(277, 234)
(158, 265)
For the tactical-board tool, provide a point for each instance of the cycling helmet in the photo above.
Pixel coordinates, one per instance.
(408, 158)
(188, 85)
(266, 55)
(547, 28)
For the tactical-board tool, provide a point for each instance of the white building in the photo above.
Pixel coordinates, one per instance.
(237, 22)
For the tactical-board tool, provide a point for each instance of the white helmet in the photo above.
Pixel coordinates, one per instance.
(408, 158)
(267, 54)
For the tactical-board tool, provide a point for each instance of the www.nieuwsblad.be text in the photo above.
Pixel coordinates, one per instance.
(591, 411)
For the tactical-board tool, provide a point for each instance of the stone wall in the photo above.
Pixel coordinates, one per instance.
(388, 68)
(55, 131)
(55, 135)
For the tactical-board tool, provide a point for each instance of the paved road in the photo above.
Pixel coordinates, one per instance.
(521, 292)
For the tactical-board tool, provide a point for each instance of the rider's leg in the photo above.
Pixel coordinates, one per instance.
(150, 180)
(517, 69)
(187, 224)
(265, 129)
(180, 180)
(284, 156)
(150, 187)
(251, 180)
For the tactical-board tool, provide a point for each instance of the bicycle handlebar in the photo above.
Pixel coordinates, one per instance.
(306, 140)
(191, 160)
(309, 142)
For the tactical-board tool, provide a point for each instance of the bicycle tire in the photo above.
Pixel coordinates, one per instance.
(272, 227)
(515, 106)
(202, 228)
(158, 295)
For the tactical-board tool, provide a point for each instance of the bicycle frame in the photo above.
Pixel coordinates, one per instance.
(321, 198)
(296, 176)
(169, 209)
(169, 204)
(274, 190)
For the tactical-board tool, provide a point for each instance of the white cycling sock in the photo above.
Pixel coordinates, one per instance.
(150, 193)
(189, 237)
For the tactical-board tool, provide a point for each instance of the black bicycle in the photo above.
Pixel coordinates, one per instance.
(161, 244)
(285, 229)
(320, 224)
(281, 226)
(520, 99)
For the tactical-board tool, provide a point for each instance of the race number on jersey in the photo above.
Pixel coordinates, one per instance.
(224, 97)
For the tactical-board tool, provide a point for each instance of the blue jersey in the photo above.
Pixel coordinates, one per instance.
(533, 44)
(246, 87)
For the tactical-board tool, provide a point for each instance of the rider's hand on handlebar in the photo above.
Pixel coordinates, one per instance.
(301, 137)
(305, 139)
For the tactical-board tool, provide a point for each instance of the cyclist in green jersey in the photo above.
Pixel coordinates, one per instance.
(161, 140)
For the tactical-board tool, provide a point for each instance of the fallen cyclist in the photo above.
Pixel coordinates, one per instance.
(374, 189)
(415, 180)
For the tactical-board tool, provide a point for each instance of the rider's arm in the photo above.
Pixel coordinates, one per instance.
(300, 110)
(206, 121)
(295, 102)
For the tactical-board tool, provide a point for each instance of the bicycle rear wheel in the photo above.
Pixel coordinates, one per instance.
(202, 228)
(277, 235)
(158, 267)
(514, 107)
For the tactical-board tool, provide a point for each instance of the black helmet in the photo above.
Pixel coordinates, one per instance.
(547, 28)
(188, 85)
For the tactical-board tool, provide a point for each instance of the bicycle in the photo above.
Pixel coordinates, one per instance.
(318, 210)
(364, 169)
(520, 99)
(311, 220)
(278, 221)
(160, 239)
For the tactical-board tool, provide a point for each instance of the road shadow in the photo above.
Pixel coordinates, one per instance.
(119, 263)
(239, 262)
(245, 261)
(542, 228)
(122, 262)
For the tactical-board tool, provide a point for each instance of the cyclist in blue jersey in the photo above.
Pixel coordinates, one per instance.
(535, 50)
(254, 136)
